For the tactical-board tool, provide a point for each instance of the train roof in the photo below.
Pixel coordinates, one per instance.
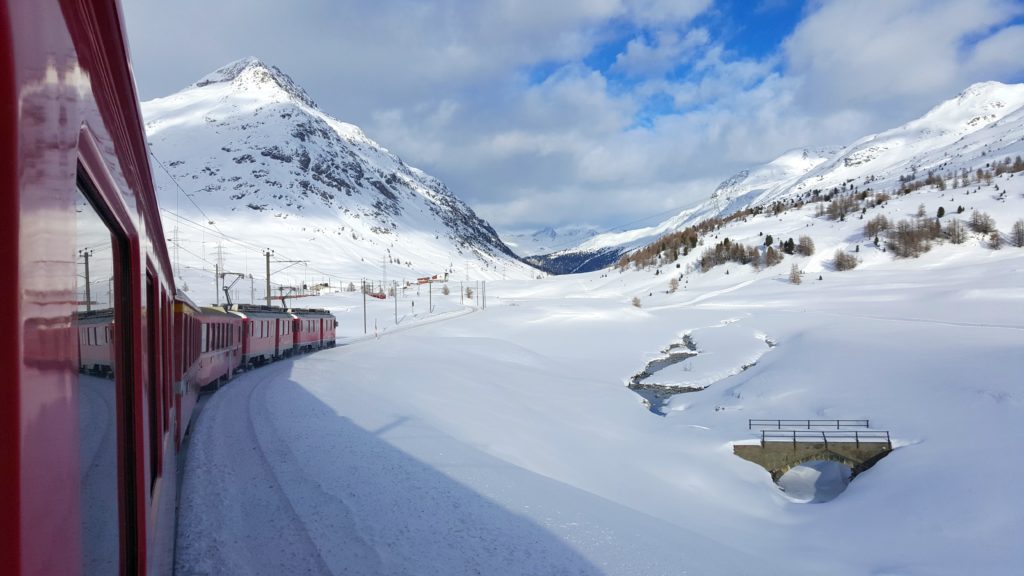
(217, 311)
(310, 312)
(183, 298)
(257, 311)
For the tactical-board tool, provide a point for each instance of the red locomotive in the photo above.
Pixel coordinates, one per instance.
(103, 358)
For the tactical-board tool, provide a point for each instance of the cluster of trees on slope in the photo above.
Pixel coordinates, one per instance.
(905, 238)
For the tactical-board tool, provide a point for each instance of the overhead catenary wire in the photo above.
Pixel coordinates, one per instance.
(182, 190)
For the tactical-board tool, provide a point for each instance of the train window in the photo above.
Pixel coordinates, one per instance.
(153, 392)
(97, 393)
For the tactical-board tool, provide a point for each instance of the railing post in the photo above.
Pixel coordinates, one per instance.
(824, 439)
(856, 437)
(762, 438)
(794, 439)
(888, 440)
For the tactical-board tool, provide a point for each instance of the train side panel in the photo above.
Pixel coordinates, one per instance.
(89, 468)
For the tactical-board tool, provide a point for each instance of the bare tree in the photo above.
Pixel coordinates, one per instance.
(673, 285)
(805, 246)
(1017, 232)
(844, 260)
(955, 231)
(794, 274)
(995, 241)
(982, 223)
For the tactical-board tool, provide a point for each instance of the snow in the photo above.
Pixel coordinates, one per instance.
(505, 441)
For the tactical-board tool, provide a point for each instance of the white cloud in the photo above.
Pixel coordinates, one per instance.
(998, 55)
(669, 49)
(907, 55)
(446, 85)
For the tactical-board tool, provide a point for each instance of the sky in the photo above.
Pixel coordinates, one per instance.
(605, 113)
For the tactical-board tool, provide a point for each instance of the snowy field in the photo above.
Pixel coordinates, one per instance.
(505, 441)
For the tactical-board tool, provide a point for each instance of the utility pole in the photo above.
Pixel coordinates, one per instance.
(430, 297)
(252, 290)
(364, 304)
(268, 253)
(216, 284)
(87, 253)
(396, 303)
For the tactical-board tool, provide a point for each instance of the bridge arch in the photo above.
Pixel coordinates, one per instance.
(780, 457)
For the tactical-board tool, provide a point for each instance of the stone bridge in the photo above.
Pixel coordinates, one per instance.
(781, 450)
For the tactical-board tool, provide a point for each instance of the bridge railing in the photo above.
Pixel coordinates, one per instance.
(807, 424)
(856, 436)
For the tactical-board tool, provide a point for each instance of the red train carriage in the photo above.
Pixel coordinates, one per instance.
(314, 329)
(96, 342)
(266, 333)
(186, 355)
(220, 346)
(88, 463)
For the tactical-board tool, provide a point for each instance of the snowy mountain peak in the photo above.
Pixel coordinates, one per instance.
(250, 147)
(252, 72)
(977, 106)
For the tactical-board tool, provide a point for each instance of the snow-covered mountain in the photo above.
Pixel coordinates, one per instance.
(984, 122)
(548, 239)
(258, 162)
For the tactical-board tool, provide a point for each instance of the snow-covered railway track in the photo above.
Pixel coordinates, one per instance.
(247, 525)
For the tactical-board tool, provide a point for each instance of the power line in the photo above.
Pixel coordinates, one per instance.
(182, 190)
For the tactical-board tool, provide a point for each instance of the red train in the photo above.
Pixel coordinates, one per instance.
(103, 359)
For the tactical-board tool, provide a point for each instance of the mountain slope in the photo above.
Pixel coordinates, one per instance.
(257, 156)
(984, 122)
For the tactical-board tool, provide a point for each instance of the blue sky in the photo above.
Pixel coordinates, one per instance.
(594, 112)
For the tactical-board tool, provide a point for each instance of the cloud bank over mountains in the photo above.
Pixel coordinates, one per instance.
(595, 111)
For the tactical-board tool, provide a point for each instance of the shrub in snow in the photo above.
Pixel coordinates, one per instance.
(673, 285)
(955, 232)
(805, 246)
(636, 301)
(995, 241)
(910, 239)
(876, 225)
(982, 223)
(445, 290)
(844, 261)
